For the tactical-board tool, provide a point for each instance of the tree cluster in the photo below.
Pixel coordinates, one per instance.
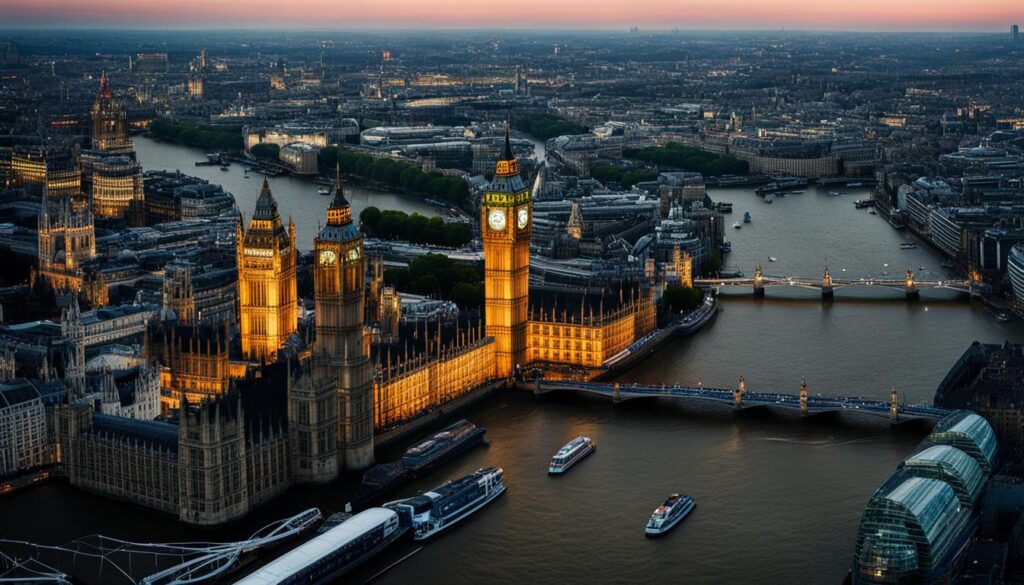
(677, 156)
(627, 178)
(397, 174)
(219, 137)
(397, 225)
(681, 299)
(267, 151)
(440, 277)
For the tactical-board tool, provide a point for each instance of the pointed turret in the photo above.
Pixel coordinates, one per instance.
(340, 211)
(507, 153)
(506, 165)
(104, 91)
(266, 206)
(339, 201)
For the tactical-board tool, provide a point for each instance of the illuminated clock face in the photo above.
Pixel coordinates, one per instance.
(353, 254)
(523, 218)
(496, 220)
(328, 258)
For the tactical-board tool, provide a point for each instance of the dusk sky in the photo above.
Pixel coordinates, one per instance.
(883, 15)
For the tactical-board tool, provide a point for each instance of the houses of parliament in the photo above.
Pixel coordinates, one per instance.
(254, 406)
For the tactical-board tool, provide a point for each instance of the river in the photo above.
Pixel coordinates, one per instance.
(778, 499)
(296, 197)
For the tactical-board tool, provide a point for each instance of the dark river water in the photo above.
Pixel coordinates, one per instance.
(778, 499)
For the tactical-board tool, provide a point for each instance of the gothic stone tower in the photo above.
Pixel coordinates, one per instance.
(342, 355)
(313, 425)
(505, 223)
(66, 230)
(267, 288)
(109, 121)
(212, 482)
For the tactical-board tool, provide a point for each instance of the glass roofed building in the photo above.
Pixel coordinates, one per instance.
(971, 434)
(917, 525)
(911, 532)
(952, 466)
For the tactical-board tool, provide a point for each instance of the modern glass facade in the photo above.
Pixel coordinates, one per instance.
(907, 532)
(971, 434)
(916, 526)
(952, 466)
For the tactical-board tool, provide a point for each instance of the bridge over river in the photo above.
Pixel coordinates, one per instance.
(740, 398)
(910, 284)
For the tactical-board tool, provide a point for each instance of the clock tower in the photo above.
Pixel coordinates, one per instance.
(506, 219)
(341, 353)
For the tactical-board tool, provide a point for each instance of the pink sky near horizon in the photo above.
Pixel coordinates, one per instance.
(886, 15)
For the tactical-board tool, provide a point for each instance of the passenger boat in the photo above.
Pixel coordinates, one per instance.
(672, 512)
(746, 217)
(442, 446)
(333, 520)
(448, 504)
(571, 454)
(327, 556)
(325, 191)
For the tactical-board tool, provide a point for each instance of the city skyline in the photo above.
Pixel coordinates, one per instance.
(867, 16)
(295, 305)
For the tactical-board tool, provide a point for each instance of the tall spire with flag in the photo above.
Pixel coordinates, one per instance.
(109, 120)
(340, 211)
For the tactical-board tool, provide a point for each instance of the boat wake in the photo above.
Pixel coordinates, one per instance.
(821, 443)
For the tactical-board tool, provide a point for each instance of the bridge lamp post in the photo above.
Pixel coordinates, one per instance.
(803, 396)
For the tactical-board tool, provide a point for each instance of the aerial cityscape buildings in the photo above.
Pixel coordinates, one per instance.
(260, 285)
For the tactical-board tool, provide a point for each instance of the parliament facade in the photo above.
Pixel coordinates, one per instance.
(233, 438)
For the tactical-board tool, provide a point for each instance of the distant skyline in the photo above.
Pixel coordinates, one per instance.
(863, 15)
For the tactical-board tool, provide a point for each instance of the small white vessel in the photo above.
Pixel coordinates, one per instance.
(672, 512)
(571, 454)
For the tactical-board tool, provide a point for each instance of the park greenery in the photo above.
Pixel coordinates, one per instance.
(397, 175)
(680, 299)
(545, 126)
(606, 173)
(687, 158)
(209, 137)
(397, 225)
(267, 151)
(440, 277)
(713, 265)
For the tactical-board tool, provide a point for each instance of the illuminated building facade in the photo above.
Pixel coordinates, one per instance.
(66, 229)
(267, 288)
(583, 333)
(109, 121)
(506, 220)
(448, 368)
(342, 349)
(196, 363)
(116, 186)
